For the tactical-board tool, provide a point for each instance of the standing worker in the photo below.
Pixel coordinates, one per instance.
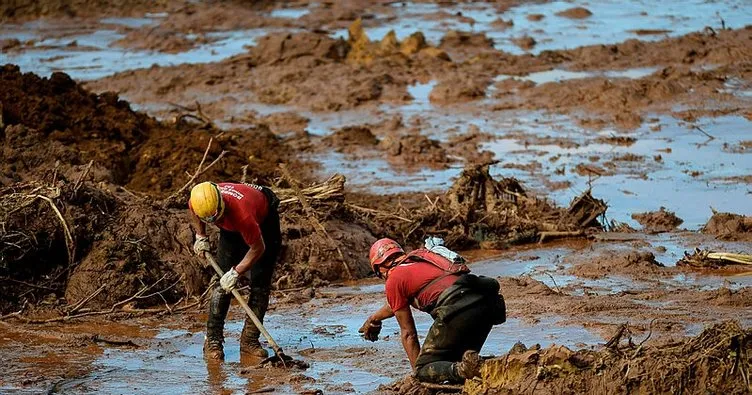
(437, 281)
(249, 243)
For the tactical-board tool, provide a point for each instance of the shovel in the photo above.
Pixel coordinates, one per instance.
(278, 354)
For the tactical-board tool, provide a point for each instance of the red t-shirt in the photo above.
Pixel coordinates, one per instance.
(245, 209)
(405, 281)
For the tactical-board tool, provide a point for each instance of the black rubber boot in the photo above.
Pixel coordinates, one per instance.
(249, 338)
(215, 324)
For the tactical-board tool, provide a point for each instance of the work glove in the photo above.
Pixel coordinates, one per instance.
(436, 245)
(370, 330)
(229, 280)
(201, 245)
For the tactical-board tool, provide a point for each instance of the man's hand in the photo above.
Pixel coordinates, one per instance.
(370, 330)
(229, 280)
(201, 245)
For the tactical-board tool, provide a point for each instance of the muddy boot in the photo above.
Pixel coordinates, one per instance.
(470, 365)
(249, 342)
(215, 325)
(213, 350)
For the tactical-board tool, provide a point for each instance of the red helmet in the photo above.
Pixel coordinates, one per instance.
(381, 251)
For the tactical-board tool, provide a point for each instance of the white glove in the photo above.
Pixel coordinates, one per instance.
(436, 245)
(228, 281)
(201, 245)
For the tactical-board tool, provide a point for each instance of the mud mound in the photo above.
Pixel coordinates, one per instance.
(455, 38)
(524, 286)
(575, 13)
(730, 298)
(458, 88)
(143, 246)
(363, 51)
(21, 10)
(525, 42)
(637, 264)
(658, 221)
(464, 45)
(716, 361)
(102, 127)
(166, 156)
(415, 150)
(285, 47)
(55, 120)
(727, 226)
(308, 257)
(350, 139)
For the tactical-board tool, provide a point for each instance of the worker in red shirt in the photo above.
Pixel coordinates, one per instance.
(249, 243)
(437, 281)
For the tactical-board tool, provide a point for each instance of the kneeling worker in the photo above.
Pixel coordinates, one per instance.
(249, 243)
(437, 281)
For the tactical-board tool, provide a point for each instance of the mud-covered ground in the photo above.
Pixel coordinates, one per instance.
(646, 105)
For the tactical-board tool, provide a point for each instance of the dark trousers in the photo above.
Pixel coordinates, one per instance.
(448, 340)
(232, 249)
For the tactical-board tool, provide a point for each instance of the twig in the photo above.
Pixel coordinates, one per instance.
(80, 179)
(85, 300)
(704, 132)
(27, 284)
(558, 291)
(442, 387)
(639, 346)
(129, 343)
(613, 343)
(377, 212)
(262, 390)
(15, 313)
(199, 171)
(68, 237)
(560, 234)
(91, 313)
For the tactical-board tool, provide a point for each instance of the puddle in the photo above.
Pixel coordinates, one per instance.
(739, 87)
(289, 13)
(558, 75)
(379, 174)
(95, 57)
(612, 21)
(420, 94)
(129, 22)
(340, 360)
(644, 185)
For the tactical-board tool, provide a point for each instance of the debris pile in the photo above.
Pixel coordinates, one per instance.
(718, 360)
(658, 221)
(714, 260)
(479, 211)
(728, 226)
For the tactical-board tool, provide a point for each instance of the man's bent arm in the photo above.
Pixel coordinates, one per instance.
(198, 226)
(382, 314)
(408, 334)
(254, 253)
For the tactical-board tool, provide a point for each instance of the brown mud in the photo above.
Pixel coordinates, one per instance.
(658, 221)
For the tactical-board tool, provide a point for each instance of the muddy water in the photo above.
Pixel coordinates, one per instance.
(323, 330)
(611, 21)
(90, 53)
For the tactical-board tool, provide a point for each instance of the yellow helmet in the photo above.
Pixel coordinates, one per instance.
(206, 201)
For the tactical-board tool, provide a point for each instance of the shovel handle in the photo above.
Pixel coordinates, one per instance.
(256, 321)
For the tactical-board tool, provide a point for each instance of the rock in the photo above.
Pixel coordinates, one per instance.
(575, 13)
